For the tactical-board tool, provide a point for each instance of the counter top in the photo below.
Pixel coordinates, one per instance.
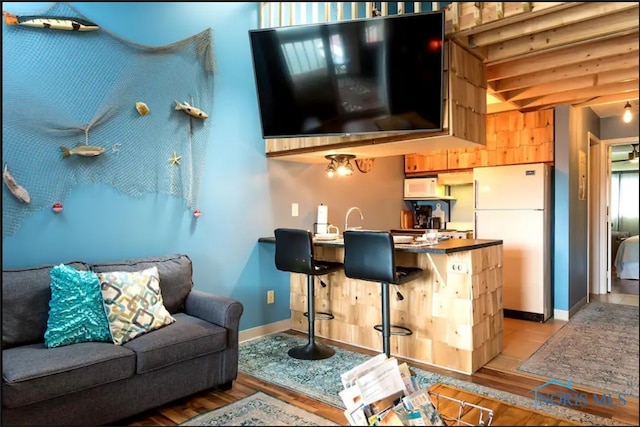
(444, 247)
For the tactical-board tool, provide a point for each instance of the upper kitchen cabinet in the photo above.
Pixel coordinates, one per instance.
(512, 138)
(464, 111)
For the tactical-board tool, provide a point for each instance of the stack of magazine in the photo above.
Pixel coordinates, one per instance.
(381, 392)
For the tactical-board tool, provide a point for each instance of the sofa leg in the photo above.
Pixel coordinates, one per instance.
(224, 387)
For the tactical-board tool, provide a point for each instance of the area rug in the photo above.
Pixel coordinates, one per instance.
(259, 409)
(597, 348)
(266, 358)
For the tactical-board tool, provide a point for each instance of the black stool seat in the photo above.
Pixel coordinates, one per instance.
(370, 256)
(294, 253)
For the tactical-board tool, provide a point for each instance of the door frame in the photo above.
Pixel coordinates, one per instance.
(599, 212)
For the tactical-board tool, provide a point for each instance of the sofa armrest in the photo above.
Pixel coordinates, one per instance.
(224, 312)
(215, 309)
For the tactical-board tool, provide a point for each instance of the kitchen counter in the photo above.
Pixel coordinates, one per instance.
(443, 247)
(454, 308)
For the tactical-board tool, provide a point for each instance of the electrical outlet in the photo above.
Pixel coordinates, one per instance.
(294, 209)
(459, 268)
(271, 296)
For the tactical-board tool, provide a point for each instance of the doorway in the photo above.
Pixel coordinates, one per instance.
(600, 212)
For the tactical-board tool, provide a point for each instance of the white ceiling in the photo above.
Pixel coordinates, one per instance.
(614, 108)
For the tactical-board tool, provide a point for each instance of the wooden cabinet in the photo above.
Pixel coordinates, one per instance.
(512, 138)
(430, 161)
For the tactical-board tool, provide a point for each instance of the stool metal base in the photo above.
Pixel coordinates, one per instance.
(311, 351)
(400, 330)
(320, 315)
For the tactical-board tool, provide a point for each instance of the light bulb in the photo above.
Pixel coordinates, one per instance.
(331, 169)
(627, 116)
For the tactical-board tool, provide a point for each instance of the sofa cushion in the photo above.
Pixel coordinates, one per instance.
(133, 303)
(187, 338)
(76, 311)
(25, 303)
(175, 276)
(34, 373)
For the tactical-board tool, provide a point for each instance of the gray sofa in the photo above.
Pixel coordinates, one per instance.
(97, 383)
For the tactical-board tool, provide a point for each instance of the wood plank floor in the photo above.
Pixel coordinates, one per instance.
(497, 378)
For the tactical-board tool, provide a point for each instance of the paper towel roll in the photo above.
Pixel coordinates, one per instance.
(322, 222)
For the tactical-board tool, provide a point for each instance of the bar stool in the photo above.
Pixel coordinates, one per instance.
(370, 256)
(294, 253)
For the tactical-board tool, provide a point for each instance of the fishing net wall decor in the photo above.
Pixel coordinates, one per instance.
(64, 88)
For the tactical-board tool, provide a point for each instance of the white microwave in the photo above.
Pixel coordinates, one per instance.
(421, 188)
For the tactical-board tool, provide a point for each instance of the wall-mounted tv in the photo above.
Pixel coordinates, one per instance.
(373, 75)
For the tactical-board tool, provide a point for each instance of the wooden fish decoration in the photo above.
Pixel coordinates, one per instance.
(190, 110)
(56, 22)
(82, 150)
(16, 189)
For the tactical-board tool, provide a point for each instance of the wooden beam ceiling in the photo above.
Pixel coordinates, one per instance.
(540, 56)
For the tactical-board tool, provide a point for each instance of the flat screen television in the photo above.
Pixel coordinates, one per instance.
(373, 75)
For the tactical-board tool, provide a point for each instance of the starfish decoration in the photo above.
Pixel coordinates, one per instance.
(175, 160)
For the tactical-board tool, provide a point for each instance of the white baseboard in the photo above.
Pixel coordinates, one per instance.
(560, 314)
(261, 331)
(566, 314)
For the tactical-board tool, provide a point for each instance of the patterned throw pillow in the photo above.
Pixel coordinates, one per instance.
(76, 312)
(133, 302)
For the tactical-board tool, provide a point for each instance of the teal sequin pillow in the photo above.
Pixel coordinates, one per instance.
(76, 310)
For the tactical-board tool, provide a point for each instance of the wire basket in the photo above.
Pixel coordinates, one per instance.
(466, 410)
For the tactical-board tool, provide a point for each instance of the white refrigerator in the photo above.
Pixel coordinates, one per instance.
(513, 204)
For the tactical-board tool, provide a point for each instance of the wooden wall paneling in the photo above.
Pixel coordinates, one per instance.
(452, 315)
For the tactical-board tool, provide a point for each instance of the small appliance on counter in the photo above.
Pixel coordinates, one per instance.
(422, 216)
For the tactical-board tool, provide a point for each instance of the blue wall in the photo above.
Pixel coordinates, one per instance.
(561, 209)
(571, 225)
(99, 223)
(243, 195)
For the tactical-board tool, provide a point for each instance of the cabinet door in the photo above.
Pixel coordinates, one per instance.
(430, 161)
(410, 163)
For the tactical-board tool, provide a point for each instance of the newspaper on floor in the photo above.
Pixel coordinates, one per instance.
(382, 392)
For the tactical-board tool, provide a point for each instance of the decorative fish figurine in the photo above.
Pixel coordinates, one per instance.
(192, 111)
(82, 150)
(16, 189)
(55, 22)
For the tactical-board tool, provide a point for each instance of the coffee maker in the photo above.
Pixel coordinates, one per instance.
(422, 217)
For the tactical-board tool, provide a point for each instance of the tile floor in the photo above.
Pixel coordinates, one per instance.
(523, 337)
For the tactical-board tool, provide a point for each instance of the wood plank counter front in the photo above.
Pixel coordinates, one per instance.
(454, 309)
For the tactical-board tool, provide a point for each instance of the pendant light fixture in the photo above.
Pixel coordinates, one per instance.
(340, 164)
(627, 116)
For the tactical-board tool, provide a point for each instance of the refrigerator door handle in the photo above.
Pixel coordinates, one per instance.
(475, 194)
(475, 225)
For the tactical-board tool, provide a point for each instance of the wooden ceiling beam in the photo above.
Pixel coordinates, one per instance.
(502, 107)
(550, 21)
(492, 18)
(574, 83)
(578, 95)
(561, 57)
(609, 99)
(605, 26)
(599, 65)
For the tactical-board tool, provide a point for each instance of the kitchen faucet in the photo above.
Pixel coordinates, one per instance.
(346, 217)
